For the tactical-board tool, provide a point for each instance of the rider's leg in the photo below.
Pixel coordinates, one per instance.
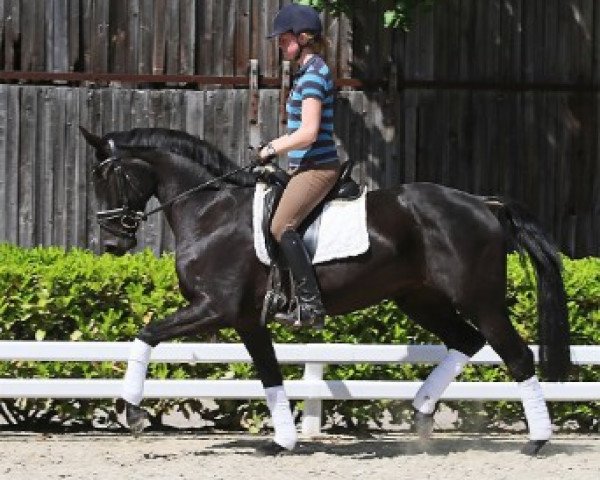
(305, 190)
(310, 306)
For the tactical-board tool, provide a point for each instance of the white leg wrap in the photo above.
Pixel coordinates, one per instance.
(438, 380)
(281, 414)
(133, 383)
(536, 411)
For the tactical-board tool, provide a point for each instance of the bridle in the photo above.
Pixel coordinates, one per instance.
(128, 218)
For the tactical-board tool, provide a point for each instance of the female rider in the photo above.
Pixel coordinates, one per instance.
(310, 148)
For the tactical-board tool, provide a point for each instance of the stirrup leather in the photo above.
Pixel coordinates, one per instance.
(275, 298)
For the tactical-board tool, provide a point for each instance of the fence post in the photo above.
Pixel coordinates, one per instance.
(311, 418)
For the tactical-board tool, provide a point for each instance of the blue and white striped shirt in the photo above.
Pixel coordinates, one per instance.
(313, 80)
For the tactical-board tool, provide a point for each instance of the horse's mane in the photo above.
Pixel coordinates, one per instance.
(186, 145)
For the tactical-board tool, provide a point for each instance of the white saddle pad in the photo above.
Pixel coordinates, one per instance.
(342, 233)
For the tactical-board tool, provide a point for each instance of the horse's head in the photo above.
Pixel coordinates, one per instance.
(123, 185)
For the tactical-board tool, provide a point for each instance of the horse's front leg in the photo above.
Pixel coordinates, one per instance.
(186, 321)
(259, 344)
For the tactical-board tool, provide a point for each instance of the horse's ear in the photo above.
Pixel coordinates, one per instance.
(94, 140)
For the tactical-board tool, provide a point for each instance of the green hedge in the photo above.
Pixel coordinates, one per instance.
(50, 294)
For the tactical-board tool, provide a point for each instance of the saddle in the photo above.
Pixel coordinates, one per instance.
(280, 287)
(277, 179)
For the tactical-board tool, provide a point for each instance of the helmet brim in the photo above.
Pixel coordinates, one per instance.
(276, 32)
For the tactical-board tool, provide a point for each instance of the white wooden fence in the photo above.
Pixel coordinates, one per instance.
(312, 388)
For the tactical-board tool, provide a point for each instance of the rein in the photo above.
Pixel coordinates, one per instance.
(144, 216)
(129, 218)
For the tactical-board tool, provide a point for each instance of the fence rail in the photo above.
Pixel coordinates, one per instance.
(338, 353)
(312, 388)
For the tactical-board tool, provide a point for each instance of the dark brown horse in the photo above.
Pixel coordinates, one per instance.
(438, 252)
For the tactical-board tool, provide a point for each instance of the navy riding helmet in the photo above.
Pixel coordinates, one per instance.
(296, 19)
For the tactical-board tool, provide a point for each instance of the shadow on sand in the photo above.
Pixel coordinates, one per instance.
(392, 446)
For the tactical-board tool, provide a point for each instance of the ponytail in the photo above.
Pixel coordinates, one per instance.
(314, 41)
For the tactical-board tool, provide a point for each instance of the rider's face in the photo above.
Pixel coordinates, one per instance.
(288, 43)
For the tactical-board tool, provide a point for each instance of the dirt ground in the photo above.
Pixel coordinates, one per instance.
(26, 456)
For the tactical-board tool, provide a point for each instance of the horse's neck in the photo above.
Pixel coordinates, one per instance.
(205, 212)
(175, 178)
(177, 175)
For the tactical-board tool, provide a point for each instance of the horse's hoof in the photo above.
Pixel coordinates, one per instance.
(423, 424)
(271, 449)
(532, 447)
(136, 418)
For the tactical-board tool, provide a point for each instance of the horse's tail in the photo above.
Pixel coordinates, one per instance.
(553, 326)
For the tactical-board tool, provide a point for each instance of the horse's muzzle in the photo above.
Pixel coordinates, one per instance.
(118, 245)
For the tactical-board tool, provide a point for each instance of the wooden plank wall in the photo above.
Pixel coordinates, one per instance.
(498, 96)
(205, 37)
(491, 144)
(490, 96)
(46, 197)
(515, 41)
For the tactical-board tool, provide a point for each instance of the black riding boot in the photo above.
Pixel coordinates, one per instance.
(310, 311)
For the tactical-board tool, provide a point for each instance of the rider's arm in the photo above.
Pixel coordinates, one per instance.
(306, 134)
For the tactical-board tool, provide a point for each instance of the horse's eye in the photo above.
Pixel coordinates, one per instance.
(101, 171)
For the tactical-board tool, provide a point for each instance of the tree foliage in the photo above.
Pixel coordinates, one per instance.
(397, 13)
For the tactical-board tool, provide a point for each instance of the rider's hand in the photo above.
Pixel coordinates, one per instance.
(261, 155)
(265, 153)
(255, 160)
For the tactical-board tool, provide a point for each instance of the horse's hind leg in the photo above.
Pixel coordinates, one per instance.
(508, 344)
(435, 313)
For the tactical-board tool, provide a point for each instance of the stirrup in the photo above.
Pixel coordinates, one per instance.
(273, 303)
(293, 318)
